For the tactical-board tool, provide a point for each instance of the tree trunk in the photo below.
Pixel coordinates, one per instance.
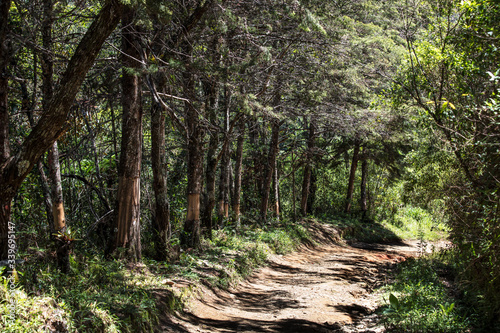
(276, 190)
(271, 162)
(59, 221)
(128, 197)
(160, 174)
(237, 175)
(191, 233)
(352, 175)
(306, 182)
(312, 193)
(5, 199)
(223, 212)
(294, 195)
(4, 82)
(47, 199)
(210, 173)
(52, 124)
(364, 178)
(211, 91)
(254, 177)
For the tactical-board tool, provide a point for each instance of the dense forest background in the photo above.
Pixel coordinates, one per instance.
(130, 128)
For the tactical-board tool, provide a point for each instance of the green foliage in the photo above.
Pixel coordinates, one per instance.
(420, 300)
(446, 75)
(416, 223)
(428, 174)
(98, 296)
(331, 192)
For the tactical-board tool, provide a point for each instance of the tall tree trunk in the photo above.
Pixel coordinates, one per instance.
(254, 178)
(306, 182)
(63, 243)
(191, 233)
(364, 178)
(4, 82)
(129, 170)
(47, 198)
(191, 237)
(223, 212)
(5, 199)
(312, 192)
(59, 221)
(113, 129)
(271, 162)
(352, 175)
(294, 195)
(160, 174)
(211, 91)
(237, 174)
(276, 190)
(52, 124)
(56, 189)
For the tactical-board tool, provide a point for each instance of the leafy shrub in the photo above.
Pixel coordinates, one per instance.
(420, 300)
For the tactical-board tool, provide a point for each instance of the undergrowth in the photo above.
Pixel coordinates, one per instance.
(414, 223)
(424, 298)
(97, 296)
(113, 296)
(408, 222)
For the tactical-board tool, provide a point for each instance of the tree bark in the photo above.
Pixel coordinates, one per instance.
(127, 209)
(160, 174)
(47, 199)
(276, 190)
(5, 200)
(52, 124)
(364, 178)
(56, 192)
(306, 182)
(192, 229)
(294, 195)
(271, 163)
(237, 175)
(312, 192)
(223, 212)
(58, 218)
(4, 82)
(211, 91)
(352, 175)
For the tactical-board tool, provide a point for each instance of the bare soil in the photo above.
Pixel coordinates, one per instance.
(322, 288)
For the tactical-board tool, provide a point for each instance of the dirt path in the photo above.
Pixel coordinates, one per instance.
(326, 288)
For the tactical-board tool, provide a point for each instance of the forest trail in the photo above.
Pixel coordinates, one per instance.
(325, 288)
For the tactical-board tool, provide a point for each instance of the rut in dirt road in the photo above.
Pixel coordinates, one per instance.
(317, 289)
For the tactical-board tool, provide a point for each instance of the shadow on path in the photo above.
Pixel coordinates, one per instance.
(283, 325)
(322, 289)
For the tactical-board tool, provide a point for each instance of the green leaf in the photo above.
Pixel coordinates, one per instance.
(394, 302)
